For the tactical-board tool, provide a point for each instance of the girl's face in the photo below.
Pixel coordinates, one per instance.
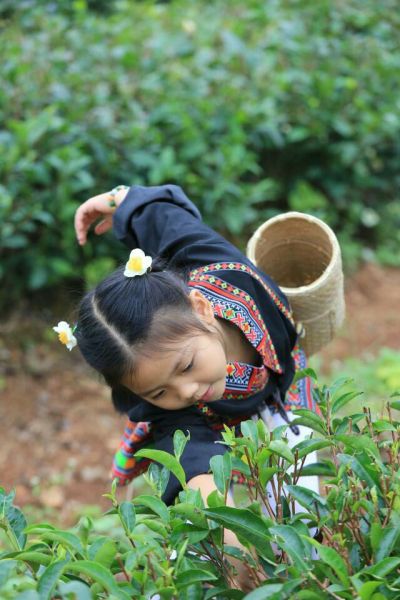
(195, 370)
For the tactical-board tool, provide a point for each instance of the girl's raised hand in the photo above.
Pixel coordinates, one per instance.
(99, 208)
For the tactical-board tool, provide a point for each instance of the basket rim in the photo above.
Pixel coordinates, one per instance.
(334, 262)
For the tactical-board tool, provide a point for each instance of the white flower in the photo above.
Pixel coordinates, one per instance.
(138, 263)
(189, 26)
(65, 335)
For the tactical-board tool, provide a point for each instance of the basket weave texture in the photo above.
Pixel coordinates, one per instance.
(302, 255)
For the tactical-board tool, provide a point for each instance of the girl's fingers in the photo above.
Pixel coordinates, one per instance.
(89, 212)
(84, 217)
(103, 226)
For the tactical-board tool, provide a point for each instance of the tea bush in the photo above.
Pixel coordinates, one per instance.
(252, 107)
(178, 551)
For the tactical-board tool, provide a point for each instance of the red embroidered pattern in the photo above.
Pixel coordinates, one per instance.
(244, 380)
(232, 303)
(233, 266)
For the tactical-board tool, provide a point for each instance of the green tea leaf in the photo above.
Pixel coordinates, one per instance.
(245, 524)
(264, 592)
(17, 523)
(7, 566)
(361, 443)
(128, 516)
(64, 538)
(103, 551)
(383, 567)
(76, 590)
(221, 468)
(387, 542)
(266, 474)
(382, 425)
(180, 440)
(307, 446)
(249, 430)
(191, 513)
(367, 589)
(33, 556)
(339, 402)
(308, 498)
(99, 574)
(308, 372)
(290, 541)
(166, 460)
(193, 576)
(239, 465)
(282, 449)
(48, 579)
(357, 468)
(154, 504)
(333, 559)
(319, 468)
(309, 419)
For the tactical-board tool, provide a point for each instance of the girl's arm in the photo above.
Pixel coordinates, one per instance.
(205, 484)
(162, 221)
(99, 208)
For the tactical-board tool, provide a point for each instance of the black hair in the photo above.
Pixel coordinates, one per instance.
(125, 318)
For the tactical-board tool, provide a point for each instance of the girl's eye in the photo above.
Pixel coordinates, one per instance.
(188, 367)
(157, 396)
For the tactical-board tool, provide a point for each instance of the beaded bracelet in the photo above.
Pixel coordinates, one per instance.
(113, 193)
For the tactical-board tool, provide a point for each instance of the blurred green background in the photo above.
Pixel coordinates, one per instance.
(252, 107)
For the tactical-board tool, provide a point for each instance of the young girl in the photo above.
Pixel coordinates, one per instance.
(190, 335)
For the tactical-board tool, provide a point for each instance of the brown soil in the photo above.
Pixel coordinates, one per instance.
(58, 430)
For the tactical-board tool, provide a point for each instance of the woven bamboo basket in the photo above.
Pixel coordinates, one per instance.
(302, 255)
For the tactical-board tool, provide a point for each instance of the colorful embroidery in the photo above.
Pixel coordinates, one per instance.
(299, 395)
(233, 266)
(243, 380)
(125, 466)
(232, 303)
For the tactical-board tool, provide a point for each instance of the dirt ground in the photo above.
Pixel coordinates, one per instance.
(58, 430)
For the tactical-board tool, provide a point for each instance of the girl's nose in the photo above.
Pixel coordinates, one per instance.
(188, 391)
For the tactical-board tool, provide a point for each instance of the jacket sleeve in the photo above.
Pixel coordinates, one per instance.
(163, 222)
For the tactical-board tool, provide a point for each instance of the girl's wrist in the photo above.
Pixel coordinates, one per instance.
(117, 195)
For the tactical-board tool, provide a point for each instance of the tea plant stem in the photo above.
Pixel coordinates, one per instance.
(367, 412)
(149, 562)
(273, 487)
(321, 585)
(121, 564)
(279, 511)
(257, 484)
(216, 560)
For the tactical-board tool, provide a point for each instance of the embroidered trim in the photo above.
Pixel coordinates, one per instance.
(234, 266)
(243, 380)
(125, 466)
(232, 303)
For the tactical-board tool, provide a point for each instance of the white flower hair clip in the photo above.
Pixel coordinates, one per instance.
(66, 334)
(138, 263)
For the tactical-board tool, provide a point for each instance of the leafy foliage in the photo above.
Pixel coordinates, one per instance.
(178, 551)
(254, 108)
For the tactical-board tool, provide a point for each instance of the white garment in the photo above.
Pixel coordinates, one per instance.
(273, 420)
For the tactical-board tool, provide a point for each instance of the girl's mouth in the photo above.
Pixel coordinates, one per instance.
(208, 394)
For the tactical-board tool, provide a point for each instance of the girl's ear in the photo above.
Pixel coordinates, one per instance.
(201, 306)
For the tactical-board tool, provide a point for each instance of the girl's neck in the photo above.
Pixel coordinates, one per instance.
(237, 347)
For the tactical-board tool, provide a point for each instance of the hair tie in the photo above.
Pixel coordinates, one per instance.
(66, 334)
(138, 263)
